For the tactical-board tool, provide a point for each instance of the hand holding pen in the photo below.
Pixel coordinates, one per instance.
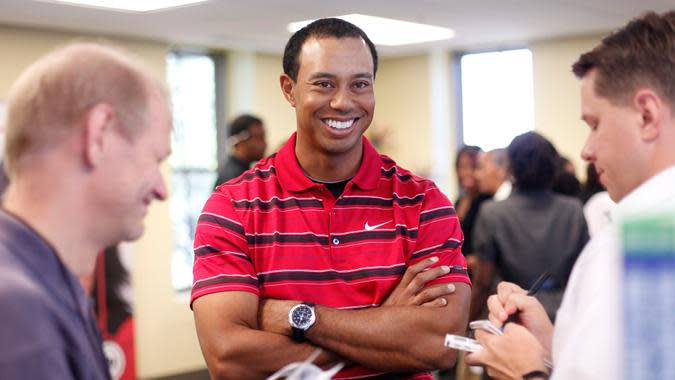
(512, 300)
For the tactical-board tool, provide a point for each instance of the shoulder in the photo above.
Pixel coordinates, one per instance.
(404, 177)
(251, 181)
(27, 318)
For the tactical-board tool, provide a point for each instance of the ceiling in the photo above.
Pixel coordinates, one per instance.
(260, 25)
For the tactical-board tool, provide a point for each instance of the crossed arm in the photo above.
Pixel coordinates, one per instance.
(242, 336)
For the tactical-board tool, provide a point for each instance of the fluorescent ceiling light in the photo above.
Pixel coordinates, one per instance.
(389, 32)
(130, 5)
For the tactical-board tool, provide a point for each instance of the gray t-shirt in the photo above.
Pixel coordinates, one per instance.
(47, 327)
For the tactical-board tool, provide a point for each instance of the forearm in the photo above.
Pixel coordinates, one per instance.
(254, 354)
(398, 338)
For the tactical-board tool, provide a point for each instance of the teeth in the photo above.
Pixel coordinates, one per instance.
(339, 124)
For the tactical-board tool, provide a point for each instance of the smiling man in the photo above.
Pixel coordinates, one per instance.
(325, 244)
(628, 102)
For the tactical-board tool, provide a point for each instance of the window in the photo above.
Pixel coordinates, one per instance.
(192, 83)
(497, 97)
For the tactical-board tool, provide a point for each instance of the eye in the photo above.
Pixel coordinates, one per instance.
(362, 84)
(323, 84)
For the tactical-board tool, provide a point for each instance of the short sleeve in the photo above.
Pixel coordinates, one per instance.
(440, 235)
(222, 260)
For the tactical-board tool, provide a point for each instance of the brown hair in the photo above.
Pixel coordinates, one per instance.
(49, 99)
(642, 53)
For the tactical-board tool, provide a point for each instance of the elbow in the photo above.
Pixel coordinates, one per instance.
(223, 370)
(446, 359)
(224, 366)
(433, 357)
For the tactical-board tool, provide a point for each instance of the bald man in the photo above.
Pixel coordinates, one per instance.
(87, 129)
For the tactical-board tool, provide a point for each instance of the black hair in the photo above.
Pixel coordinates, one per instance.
(325, 27)
(242, 123)
(565, 183)
(532, 161)
(470, 150)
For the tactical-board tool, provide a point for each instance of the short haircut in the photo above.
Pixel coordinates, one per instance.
(242, 123)
(500, 158)
(470, 151)
(322, 28)
(532, 160)
(50, 98)
(642, 53)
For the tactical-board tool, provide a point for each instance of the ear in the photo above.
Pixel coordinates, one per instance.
(651, 108)
(98, 122)
(287, 86)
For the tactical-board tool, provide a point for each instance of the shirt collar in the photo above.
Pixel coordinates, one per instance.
(293, 178)
(653, 194)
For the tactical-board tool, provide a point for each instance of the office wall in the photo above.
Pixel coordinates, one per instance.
(557, 113)
(270, 101)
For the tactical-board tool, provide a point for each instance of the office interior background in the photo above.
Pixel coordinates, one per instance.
(505, 71)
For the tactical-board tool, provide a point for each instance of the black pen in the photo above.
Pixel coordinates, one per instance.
(533, 290)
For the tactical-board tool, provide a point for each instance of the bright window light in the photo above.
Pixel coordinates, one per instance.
(130, 5)
(389, 32)
(497, 97)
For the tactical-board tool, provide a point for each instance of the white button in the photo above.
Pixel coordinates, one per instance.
(336, 241)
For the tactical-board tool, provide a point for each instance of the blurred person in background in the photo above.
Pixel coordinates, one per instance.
(566, 181)
(492, 174)
(532, 231)
(470, 198)
(246, 140)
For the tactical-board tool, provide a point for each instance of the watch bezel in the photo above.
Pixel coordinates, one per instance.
(312, 317)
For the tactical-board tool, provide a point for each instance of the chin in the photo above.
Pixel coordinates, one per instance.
(135, 233)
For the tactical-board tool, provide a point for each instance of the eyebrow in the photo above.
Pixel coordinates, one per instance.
(364, 75)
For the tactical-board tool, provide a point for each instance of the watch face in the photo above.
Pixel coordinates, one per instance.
(302, 317)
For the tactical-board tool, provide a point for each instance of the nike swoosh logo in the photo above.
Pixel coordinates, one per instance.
(370, 228)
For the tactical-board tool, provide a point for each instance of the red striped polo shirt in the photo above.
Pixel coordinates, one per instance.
(274, 232)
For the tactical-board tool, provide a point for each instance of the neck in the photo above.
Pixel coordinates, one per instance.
(329, 167)
(56, 219)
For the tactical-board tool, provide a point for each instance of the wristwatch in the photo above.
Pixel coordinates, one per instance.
(302, 318)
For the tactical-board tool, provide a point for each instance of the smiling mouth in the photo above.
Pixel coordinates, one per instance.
(338, 124)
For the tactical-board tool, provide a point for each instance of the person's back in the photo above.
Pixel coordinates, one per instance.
(532, 232)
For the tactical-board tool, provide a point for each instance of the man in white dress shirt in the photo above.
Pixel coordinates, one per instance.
(628, 101)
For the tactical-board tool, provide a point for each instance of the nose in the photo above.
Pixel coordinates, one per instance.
(342, 100)
(160, 192)
(587, 152)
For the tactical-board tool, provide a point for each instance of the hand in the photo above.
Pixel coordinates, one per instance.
(510, 298)
(273, 315)
(411, 291)
(508, 356)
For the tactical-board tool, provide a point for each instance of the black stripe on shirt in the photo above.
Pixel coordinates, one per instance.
(225, 280)
(277, 203)
(286, 238)
(428, 251)
(331, 275)
(209, 218)
(374, 201)
(390, 173)
(426, 216)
